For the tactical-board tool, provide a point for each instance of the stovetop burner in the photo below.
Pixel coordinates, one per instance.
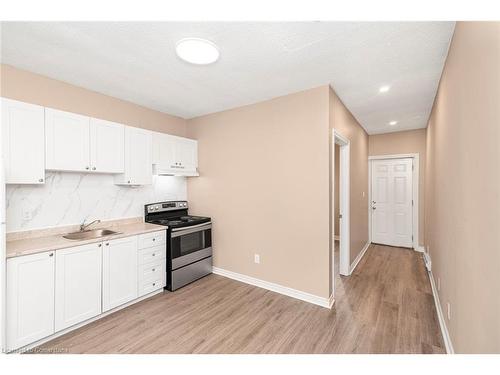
(180, 221)
(173, 214)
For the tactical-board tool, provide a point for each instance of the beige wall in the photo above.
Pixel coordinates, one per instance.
(33, 88)
(463, 184)
(264, 180)
(407, 142)
(344, 122)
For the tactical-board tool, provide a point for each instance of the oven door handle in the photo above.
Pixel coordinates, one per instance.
(191, 229)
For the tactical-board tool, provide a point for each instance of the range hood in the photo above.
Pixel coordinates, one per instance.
(161, 170)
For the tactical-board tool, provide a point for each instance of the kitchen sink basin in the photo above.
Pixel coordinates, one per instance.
(90, 234)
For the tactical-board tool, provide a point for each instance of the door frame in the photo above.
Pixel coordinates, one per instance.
(415, 183)
(344, 224)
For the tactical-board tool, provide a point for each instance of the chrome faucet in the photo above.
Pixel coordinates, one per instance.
(84, 226)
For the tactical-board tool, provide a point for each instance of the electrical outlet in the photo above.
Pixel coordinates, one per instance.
(439, 284)
(256, 258)
(449, 310)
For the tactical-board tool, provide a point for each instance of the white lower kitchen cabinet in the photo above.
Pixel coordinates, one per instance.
(30, 298)
(77, 284)
(119, 275)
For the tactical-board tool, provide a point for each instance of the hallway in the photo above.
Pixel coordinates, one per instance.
(385, 306)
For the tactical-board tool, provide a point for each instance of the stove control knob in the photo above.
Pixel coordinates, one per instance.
(157, 208)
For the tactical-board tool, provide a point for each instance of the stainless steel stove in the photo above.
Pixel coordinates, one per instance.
(189, 241)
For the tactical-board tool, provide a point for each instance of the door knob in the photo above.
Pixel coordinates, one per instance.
(374, 208)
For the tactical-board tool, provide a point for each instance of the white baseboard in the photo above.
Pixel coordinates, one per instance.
(359, 257)
(428, 262)
(420, 249)
(331, 301)
(442, 323)
(294, 293)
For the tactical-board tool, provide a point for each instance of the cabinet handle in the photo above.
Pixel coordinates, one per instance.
(87, 168)
(51, 254)
(107, 243)
(40, 180)
(93, 168)
(154, 239)
(128, 181)
(154, 284)
(154, 254)
(99, 245)
(153, 270)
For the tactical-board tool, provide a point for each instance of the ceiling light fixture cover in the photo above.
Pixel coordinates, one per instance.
(384, 88)
(197, 51)
(392, 123)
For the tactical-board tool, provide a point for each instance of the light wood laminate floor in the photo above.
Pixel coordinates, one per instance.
(385, 306)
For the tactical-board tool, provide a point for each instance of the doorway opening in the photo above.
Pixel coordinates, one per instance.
(340, 258)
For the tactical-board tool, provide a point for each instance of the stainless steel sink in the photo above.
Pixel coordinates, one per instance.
(90, 234)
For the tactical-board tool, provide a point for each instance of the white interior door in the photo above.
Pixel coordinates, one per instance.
(392, 205)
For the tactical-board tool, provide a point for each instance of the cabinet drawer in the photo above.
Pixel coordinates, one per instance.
(152, 254)
(151, 285)
(153, 270)
(152, 239)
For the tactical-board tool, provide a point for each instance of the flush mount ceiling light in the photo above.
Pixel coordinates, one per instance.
(392, 123)
(384, 88)
(197, 51)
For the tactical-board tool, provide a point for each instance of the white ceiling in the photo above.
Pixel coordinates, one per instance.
(137, 62)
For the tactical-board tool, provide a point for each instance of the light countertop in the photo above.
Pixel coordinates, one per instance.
(37, 244)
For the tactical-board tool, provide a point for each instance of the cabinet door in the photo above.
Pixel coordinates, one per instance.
(67, 140)
(30, 299)
(167, 151)
(187, 154)
(78, 284)
(119, 261)
(23, 133)
(107, 146)
(138, 158)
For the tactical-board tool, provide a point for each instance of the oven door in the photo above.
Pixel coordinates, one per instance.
(190, 244)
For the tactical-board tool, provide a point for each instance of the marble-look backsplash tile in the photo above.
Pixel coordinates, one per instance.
(70, 198)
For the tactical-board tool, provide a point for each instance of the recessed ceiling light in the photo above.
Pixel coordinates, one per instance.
(197, 51)
(392, 123)
(384, 88)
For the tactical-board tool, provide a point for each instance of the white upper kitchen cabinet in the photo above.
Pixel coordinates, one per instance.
(67, 141)
(119, 272)
(175, 155)
(23, 141)
(30, 298)
(78, 284)
(107, 146)
(82, 144)
(138, 158)
(187, 150)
